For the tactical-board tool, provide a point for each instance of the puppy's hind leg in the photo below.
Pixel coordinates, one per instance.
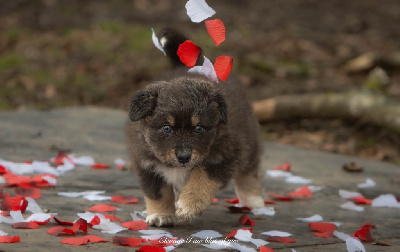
(248, 190)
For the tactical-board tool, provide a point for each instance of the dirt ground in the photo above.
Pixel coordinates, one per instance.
(65, 53)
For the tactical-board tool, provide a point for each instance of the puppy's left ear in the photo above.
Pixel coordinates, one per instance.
(142, 104)
(222, 107)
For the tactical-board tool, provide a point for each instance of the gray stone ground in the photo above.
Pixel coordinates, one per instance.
(100, 133)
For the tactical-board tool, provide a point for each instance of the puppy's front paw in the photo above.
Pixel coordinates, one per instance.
(186, 213)
(160, 220)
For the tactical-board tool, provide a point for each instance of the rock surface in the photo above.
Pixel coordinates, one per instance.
(99, 132)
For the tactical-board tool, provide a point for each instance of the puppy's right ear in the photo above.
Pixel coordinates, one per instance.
(142, 104)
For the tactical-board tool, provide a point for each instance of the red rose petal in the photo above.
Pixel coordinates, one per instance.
(80, 224)
(33, 192)
(364, 233)
(284, 167)
(124, 200)
(215, 201)
(216, 29)
(3, 170)
(233, 233)
(367, 224)
(75, 241)
(95, 221)
(280, 197)
(14, 204)
(135, 225)
(25, 225)
(109, 217)
(102, 208)
(233, 201)
(245, 220)
(58, 230)
(234, 209)
(127, 241)
(266, 249)
(59, 158)
(223, 66)
(9, 239)
(100, 166)
(361, 200)
(280, 239)
(188, 53)
(148, 248)
(303, 191)
(324, 229)
(95, 238)
(269, 202)
(62, 222)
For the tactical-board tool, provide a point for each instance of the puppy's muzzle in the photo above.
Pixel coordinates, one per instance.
(183, 155)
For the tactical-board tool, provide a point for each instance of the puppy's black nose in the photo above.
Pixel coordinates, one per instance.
(183, 156)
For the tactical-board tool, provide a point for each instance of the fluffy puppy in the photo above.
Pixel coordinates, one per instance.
(188, 137)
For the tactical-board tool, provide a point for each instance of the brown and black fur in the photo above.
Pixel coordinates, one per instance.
(188, 137)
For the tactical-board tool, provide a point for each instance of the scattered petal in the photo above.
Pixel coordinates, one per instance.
(9, 239)
(216, 29)
(245, 220)
(342, 236)
(33, 192)
(278, 173)
(266, 249)
(235, 209)
(109, 227)
(109, 217)
(364, 234)
(95, 238)
(75, 241)
(280, 197)
(354, 245)
(149, 248)
(198, 10)
(102, 208)
(153, 232)
(303, 191)
(385, 200)
(283, 167)
(369, 183)
(280, 239)
(298, 180)
(233, 201)
(25, 225)
(135, 225)
(188, 53)
(277, 233)
(14, 204)
(204, 234)
(100, 166)
(80, 194)
(54, 231)
(223, 66)
(324, 229)
(124, 199)
(207, 69)
(314, 218)
(361, 200)
(348, 194)
(351, 206)
(119, 162)
(93, 197)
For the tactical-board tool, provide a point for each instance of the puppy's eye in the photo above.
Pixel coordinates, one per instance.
(167, 129)
(199, 129)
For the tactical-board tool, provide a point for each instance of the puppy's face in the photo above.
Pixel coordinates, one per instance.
(180, 119)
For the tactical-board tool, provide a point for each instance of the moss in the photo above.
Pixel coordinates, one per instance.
(138, 39)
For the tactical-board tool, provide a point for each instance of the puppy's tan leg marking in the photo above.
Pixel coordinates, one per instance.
(161, 212)
(196, 195)
(248, 190)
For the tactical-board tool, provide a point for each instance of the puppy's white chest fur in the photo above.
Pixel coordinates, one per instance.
(175, 177)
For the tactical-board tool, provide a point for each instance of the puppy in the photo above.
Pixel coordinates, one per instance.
(188, 137)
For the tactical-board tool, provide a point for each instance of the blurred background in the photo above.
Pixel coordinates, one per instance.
(57, 53)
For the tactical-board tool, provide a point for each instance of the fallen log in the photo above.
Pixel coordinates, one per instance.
(366, 107)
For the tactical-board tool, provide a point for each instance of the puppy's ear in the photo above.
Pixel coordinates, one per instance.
(142, 104)
(222, 107)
